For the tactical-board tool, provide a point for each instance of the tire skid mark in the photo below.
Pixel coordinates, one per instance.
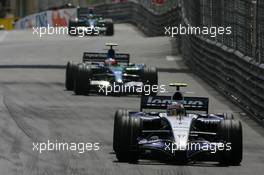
(27, 129)
(13, 136)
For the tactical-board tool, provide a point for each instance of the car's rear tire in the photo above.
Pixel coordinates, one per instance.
(82, 80)
(70, 74)
(110, 29)
(230, 131)
(206, 125)
(150, 77)
(126, 131)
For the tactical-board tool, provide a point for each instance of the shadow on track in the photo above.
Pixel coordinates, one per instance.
(33, 66)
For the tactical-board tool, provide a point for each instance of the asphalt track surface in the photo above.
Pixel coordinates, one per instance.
(35, 107)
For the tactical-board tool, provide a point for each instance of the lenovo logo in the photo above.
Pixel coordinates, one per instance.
(188, 103)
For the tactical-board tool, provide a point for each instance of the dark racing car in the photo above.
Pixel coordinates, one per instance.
(87, 23)
(175, 133)
(110, 73)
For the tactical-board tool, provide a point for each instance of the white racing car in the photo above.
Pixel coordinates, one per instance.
(176, 134)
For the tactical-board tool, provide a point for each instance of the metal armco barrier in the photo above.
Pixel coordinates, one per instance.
(230, 65)
(236, 76)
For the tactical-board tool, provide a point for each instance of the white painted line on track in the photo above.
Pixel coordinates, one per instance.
(3, 36)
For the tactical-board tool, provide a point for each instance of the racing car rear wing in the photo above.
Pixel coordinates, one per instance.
(100, 57)
(83, 12)
(161, 102)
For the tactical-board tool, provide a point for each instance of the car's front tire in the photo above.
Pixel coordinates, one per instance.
(126, 131)
(150, 77)
(82, 80)
(110, 29)
(117, 124)
(70, 74)
(230, 131)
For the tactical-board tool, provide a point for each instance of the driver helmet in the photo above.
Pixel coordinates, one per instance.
(110, 62)
(175, 109)
(91, 11)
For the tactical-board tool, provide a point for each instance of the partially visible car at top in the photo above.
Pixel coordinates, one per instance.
(91, 24)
